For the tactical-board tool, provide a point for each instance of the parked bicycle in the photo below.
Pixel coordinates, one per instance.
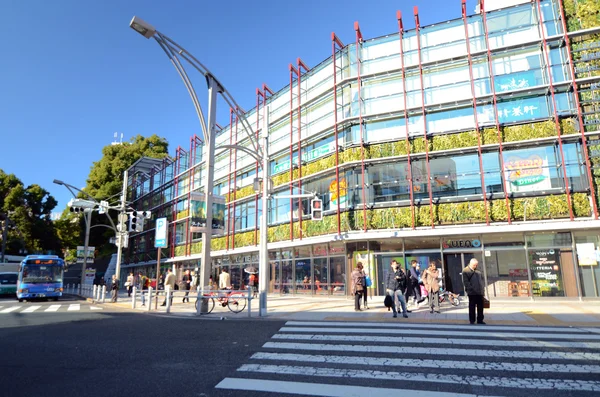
(234, 300)
(452, 298)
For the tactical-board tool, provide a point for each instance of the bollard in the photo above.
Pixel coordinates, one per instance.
(149, 298)
(168, 297)
(103, 293)
(133, 291)
(249, 302)
(95, 293)
(78, 290)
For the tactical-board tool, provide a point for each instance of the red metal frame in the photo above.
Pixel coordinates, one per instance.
(301, 65)
(418, 29)
(407, 134)
(579, 115)
(293, 72)
(545, 50)
(470, 60)
(492, 83)
(260, 99)
(336, 43)
(359, 41)
(230, 198)
(234, 181)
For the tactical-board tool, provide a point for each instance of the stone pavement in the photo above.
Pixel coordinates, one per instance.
(554, 312)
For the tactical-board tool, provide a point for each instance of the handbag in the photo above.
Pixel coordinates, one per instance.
(486, 303)
(388, 301)
(368, 281)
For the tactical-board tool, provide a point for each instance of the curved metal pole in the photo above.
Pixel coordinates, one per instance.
(226, 95)
(244, 149)
(186, 81)
(106, 226)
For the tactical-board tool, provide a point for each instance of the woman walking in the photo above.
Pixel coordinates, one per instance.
(358, 285)
(129, 284)
(430, 279)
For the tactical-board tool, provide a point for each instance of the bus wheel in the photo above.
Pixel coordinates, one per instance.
(20, 300)
(55, 299)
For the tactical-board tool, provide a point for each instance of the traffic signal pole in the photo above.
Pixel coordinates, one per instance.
(121, 230)
(88, 224)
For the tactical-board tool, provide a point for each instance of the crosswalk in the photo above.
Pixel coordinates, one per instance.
(322, 358)
(75, 307)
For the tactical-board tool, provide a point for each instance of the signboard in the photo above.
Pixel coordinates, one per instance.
(545, 273)
(462, 244)
(307, 156)
(161, 233)
(527, 173)
(515, 81)
(90, 275)
(517, 272)
(586, 254)
(81, 255)
(198, 213)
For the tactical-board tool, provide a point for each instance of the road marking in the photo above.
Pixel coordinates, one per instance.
(95, 308)
(328, 390)
(542, 355)
(74, 307)
(438, 364)
(441, 332)
(10, 309)
(30, 309)
(437, 326)
(53, 308)
(472, 380)
(447, 341)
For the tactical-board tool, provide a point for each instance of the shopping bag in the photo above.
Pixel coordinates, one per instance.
(423, 291)
(368, 281)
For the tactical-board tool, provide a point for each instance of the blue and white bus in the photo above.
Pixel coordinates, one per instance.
(40, 277)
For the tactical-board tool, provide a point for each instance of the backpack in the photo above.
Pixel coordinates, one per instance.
(388, 301)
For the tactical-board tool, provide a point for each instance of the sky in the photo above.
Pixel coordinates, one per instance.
(73, 73)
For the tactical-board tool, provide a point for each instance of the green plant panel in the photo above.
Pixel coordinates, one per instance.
(180, 250)
(569, 126)
(523, 132)
(317, 166)
(197, 246)
(350, 154)
(312, 228)
(456, 213)
(244, 239)
(454, 141)
(490, 136)
(417, 145)
(581, 205)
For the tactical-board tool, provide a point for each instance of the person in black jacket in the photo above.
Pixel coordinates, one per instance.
(412, 284)
(395, 285)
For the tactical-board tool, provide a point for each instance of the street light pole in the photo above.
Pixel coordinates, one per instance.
(88, 224)
(121, 229)
(263, 254)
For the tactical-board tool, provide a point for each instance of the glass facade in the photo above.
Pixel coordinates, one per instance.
(399, 137)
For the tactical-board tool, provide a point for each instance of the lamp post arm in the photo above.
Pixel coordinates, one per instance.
(244, 149)
(68, 186)
(106, 226)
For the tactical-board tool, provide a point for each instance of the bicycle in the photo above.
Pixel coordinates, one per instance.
(235, 301)
(452, 298)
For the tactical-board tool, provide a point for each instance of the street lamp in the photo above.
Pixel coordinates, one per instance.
(258, 152)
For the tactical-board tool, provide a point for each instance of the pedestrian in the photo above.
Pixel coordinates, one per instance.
(129, 284)
(474, 286)
(169, 286)
(358, 285)
(114, 289)
(430, 280)
(140, 284)
(187, 285)
(395, 285)
(196, 280)
(413, 287)
(224, 279)
(252, 281)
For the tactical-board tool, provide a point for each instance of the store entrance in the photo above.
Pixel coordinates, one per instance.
(454, 263)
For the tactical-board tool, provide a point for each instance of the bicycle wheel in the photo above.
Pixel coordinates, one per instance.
(210, 304)
(236, 303)
(455, 301)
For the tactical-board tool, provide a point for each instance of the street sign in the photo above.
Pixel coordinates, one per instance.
(81, 251)
(160, 237)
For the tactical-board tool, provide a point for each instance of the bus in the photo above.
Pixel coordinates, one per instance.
(40, 276)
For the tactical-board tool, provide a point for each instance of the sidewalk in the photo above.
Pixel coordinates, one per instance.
(502, 312)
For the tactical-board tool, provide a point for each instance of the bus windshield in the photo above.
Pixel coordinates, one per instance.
(36, 274)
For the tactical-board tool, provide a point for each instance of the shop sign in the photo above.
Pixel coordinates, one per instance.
(525, 109)
(461, 244)
(307, 156)
(333, 188)
(525, 171)
(515, 81)
(586, 254)
(545, 273)
(517, 272)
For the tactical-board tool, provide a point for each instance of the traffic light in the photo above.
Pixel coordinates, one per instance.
(136, 221)
(316, 209)
(80, 205)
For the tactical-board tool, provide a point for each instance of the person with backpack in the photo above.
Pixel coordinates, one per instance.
(395, 285)
(359, 286)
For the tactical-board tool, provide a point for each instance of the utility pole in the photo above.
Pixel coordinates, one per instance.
(88, 223)
(4, 230)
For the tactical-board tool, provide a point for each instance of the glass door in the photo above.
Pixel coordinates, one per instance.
(454, 263)
(320, 272)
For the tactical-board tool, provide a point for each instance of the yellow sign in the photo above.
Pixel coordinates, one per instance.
(333, 187)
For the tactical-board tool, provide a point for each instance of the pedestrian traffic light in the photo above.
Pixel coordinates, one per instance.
(316, 209)
(80, 205)
(136, 221)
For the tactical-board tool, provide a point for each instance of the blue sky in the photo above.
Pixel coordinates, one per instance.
(73, 73)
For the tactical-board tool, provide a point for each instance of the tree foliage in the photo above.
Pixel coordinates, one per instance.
(28, 210)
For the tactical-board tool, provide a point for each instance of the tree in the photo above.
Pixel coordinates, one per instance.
(106, 179)
(29, 216)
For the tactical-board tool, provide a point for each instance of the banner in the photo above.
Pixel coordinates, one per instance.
(90, 275)
(527, 172)
(81, 255)
(198, 213)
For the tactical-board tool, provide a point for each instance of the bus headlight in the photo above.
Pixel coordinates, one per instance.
(58, 289)
(23, 290)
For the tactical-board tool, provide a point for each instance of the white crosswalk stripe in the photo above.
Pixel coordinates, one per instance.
(53, 308)
(399, 359)
(10, 309)
(30, 309)
(74, 307)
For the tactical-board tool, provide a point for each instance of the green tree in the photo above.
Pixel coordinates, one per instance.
(106, 179)
(29, 211)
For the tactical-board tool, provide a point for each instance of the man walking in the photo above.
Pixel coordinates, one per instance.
(169, 286)
(474, 286)
(114, 289)
(141, 286)
(395, 285)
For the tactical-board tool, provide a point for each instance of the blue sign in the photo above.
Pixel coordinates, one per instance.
(161, 233)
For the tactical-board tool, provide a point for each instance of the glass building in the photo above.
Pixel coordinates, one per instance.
(477, 137)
